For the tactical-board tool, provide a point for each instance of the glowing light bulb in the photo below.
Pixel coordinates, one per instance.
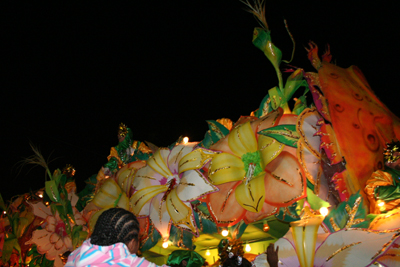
(323, 211)
(247, 248)
(224, 232)
(4, 212)
(165, 244)
(265, 227)
(40, 195)
(208, 253)
(185, 140)
(381, 205)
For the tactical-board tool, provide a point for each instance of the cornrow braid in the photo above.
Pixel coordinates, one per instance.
(113, 226)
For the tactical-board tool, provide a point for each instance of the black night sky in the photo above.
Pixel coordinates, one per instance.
(71, 71)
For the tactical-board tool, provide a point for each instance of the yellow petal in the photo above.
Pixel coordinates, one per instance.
(251, 196)
(123, 201)
(242, 140)
(269, 148)
(126, 175)
(159, 162)
(108, 194)
(142, 196)
(179, 212)
(225, 168)
(195, 159)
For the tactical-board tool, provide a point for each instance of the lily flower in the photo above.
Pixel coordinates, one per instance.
(252, 170)
(165, 187)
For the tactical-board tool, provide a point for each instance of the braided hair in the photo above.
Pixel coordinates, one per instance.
(113, 226)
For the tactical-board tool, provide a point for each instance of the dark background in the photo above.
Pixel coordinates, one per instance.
(72, 71)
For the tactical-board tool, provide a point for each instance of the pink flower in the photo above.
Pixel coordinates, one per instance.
(53, 240)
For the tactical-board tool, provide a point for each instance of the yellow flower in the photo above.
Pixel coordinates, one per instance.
(245, 163)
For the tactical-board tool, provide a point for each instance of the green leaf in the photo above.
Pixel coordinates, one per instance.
(87, 193)
(154, 236)
(349, 214)
(69, 211)
(56, 176)
(276, 97)
(181, 238)
(217, 130)
(264, 108)
(24, 222)
(207, 141)
(14, 220)
(288, 214)
(238, 229)
(8, 246)
(203, 208)
(285, 134)
(300, 105)
(262, 40)
(52, 191)
(78, 236)
(293, 83)
(205, 226)
(315, 202)
(177, 142)
(277, 228)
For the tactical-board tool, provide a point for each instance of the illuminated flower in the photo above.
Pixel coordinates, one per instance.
(253, 171)
(53, 240)
(166, 186)
(347, 247)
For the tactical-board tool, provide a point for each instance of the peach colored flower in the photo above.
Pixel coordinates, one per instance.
(53, 240)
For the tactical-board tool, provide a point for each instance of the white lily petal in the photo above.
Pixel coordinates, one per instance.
(159, 216)
(177, 153)
(193, 185)
(146, 177)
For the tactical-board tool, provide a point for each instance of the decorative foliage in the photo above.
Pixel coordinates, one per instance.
(285, 134)
(392, 151)
(348, 214)
(216, 132)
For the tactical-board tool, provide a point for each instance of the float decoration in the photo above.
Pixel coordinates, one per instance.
(260, 171)
(217, 130)
(164, 188)
(87, 194)
(347, 247)
(193, 258)
(348, 214)
(151, 239)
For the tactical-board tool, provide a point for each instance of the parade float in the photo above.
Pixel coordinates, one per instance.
(319, 178)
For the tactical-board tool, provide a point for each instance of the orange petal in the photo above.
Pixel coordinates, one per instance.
(223, 205)
(266, 211)
(285, 181)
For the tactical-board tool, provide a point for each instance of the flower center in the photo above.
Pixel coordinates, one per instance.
(60, 229)
(171, 182)
(252, 165)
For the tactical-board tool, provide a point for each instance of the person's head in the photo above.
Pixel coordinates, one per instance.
(116, 225)
(236, 261)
